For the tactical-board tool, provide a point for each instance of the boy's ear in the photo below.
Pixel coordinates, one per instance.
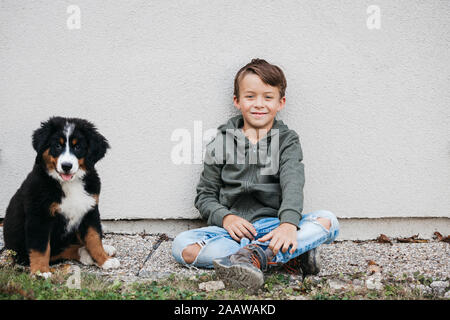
(236, 102)
(282, 104)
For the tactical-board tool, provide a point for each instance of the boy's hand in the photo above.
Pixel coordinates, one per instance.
(238, 227)
(282, 237)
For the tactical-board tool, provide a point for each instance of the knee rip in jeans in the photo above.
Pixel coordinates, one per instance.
(191, 252)
(326, 223)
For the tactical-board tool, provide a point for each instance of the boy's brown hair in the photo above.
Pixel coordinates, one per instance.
(270, 74)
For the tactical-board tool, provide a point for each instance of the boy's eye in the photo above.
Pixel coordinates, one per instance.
(268, 97)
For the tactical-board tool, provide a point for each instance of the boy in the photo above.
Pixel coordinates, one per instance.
(253, 207)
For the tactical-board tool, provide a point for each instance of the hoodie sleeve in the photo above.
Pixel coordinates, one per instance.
(292, 180)
(208, 189)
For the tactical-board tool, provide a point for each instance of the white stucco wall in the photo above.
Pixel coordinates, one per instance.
(372, 107)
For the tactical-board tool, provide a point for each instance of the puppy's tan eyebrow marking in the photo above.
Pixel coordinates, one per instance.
(74, 141)
(61, 140)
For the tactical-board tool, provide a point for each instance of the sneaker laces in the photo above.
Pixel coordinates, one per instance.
(255, 261)
(253, 254)
(293, 266)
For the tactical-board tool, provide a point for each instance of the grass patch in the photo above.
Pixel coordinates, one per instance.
(16, 283)
(19, 285)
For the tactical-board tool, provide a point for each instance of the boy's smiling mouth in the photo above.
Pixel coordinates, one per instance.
(258, 114)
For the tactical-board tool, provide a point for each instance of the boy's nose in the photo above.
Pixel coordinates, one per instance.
(259, 102)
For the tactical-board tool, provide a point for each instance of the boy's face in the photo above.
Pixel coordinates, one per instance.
(258, 102)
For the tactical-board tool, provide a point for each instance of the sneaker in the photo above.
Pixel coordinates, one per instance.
(307, 263)
(244, 268)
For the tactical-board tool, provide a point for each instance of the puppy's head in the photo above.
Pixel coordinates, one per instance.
(68, 147)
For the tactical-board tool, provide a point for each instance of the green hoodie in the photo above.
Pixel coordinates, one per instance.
(230, 185)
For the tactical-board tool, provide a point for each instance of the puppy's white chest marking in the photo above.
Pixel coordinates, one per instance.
(75, 203)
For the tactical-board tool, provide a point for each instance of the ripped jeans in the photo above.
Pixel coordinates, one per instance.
(215, 242)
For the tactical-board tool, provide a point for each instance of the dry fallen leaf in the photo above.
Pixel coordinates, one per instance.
(164, 237)
(440, 237)
(371, 263)
(412, 239)
(384, 239)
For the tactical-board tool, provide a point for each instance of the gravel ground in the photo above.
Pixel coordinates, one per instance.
(431, 259)
(145, 257)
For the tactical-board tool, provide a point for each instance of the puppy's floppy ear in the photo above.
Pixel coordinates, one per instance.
(41, 135)
(97, 145)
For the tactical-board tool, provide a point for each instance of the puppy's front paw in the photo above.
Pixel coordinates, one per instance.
(110, 250)
(45, 275)
(111, 263)
(85, 257)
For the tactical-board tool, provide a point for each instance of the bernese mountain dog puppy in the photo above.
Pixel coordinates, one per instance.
(54, 214)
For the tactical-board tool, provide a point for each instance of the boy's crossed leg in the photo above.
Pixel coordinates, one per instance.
(191, 252)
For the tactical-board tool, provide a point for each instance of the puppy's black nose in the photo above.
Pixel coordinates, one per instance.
(66, 166)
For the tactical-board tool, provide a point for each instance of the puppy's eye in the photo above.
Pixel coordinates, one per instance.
(58, 147)
(76, 147)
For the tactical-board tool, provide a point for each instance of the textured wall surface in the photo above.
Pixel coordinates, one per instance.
(372, 107)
